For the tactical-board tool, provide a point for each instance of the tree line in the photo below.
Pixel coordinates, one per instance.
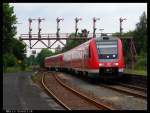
(139, 35)
(13, 49)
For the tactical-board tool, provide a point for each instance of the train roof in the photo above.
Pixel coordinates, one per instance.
(67, 51)
(106, 38)
(101, 38)
(53, 56)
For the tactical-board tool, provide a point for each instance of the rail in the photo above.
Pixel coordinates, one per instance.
(89, 100)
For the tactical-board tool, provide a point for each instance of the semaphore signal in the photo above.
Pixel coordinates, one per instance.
(94, 28)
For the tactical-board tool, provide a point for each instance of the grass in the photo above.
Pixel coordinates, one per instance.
(137, 72)
(16, 69)
(34, 77)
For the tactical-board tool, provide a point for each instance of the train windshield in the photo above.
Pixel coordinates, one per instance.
(107, 50)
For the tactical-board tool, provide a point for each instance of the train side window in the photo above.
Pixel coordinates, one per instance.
(89, 52)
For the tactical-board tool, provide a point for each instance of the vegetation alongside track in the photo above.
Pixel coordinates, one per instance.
(13, 49)
(16, 69)
(34, 77)
(137, 72)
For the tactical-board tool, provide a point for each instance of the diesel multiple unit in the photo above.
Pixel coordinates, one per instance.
(102, 56)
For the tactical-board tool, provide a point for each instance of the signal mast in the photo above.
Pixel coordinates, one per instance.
(30, 30)
(121, 20)
(76, 23)
(94, 28)
(39, 27)
(58, 28)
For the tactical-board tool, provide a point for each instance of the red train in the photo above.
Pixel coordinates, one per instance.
(98, 56)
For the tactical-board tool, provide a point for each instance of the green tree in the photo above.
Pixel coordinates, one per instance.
(31, 60)
(41, 56)
(140, 41)
(73, 43)
(9, 29)
(140, 34)
(11, 46)
(18, 49)
(9, 60)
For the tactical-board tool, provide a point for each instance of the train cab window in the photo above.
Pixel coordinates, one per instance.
(107, 50)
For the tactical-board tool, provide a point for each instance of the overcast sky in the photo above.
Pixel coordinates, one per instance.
(109, 14)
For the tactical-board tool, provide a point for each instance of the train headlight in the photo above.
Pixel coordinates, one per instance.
(100, 64)
(116, 64)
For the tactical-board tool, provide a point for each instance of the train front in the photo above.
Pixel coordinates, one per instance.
(110, 56)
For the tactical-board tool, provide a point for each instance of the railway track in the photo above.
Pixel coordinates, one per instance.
(69, 98)
(127, 89)
(137, 80)
(132, 87)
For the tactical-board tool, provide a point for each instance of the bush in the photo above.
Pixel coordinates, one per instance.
(9, 60)
(141, 63)
(23, 67)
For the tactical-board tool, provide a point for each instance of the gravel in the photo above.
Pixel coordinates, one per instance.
(70, 99)
(118, 100)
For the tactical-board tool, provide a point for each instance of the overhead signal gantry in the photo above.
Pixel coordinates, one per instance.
(66, 36)
(48, 37)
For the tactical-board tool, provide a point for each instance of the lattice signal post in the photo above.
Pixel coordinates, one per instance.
(48, 37)
(76, 25)
(121, 20)
(130, 44)
(94, 28)
(65, 36)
